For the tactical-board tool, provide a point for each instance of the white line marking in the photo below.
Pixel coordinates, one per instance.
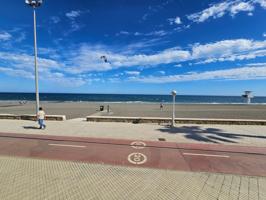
(206, 155)
(67, 145)
(138, 145)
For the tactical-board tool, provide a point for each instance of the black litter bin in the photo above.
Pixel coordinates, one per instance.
(101, 108)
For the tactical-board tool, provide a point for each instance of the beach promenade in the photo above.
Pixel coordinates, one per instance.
(75, 159)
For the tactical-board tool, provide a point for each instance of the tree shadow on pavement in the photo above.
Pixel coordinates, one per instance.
(211, 135)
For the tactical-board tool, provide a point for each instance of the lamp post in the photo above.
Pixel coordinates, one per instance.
(34, 4)
(173, 114)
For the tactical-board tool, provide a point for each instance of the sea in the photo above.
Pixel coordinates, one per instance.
(129, 98)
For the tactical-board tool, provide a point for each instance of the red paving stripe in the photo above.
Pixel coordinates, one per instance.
(223, 148)
(88, 140)
(253, 165)
(157, 144)
(59, 148)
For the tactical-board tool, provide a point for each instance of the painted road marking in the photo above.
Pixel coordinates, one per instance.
(67, 145)
(206, 155)
(137, 158)
(138, 145)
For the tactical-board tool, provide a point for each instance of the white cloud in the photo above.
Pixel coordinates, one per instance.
(22, 65)
(142, 45)
(122, 33)
(157, 33)
(21, 37)
(51, 52)
(17, 72)
(75, 25)
(152, 33)
(243, 73)
(18, 60)
(234, 57)
(134, 73)
(61, 79)
(256, 64)
(5, 36)
(227, 7)
(226, 48)
(176, 20)
(261, 2)
(241, 7)
(55, 19)
(87, 59)
(73, 14)
(264, 34)
(214, 11)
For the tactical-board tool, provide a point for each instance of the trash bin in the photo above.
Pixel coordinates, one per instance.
(101, 108)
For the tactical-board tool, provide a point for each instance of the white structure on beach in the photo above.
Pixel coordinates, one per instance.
(248, 96)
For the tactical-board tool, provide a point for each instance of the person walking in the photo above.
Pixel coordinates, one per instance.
(41, 117)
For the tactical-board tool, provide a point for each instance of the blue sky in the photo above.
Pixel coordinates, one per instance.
(195, 47)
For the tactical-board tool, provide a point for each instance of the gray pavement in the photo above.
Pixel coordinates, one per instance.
(26, 179)
(185, 133)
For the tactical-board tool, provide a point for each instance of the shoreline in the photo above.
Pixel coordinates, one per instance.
(131, 102)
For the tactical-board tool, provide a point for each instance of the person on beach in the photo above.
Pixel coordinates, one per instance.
(41, 117)
(161, 106)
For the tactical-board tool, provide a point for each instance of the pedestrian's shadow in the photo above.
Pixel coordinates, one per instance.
(30, 127)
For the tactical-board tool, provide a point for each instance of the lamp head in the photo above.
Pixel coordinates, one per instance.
(34, 3)
(173, 93)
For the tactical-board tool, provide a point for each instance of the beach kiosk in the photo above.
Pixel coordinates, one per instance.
(248, 96)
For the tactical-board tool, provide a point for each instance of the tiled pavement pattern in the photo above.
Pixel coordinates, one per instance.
(33, 179)
(186, 133)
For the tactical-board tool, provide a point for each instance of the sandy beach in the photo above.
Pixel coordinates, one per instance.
(83, 109)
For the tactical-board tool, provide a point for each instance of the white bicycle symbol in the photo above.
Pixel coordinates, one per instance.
(137, 158)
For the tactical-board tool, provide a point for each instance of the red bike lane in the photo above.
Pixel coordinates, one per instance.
(151, 154)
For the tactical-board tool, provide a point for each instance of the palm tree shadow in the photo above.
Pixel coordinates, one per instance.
(210, 135)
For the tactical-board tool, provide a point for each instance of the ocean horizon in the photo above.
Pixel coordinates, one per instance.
(129, 98)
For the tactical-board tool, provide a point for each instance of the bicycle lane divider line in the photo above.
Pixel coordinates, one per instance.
(67, 145)
(206, 155)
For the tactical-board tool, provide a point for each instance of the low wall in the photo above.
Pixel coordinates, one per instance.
(177, 120)
(33, 117)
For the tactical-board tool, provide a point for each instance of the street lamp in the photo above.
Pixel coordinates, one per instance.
(173, 114)
(34, 4)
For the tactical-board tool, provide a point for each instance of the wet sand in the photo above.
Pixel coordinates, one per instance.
(83, 109)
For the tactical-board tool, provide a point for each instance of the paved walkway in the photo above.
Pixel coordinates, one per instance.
(27, 178)
(182, 133)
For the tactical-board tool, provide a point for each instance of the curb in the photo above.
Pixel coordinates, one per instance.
(33, 117)
(137, 120)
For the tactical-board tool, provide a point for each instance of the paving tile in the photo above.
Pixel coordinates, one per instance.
(27, 179)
